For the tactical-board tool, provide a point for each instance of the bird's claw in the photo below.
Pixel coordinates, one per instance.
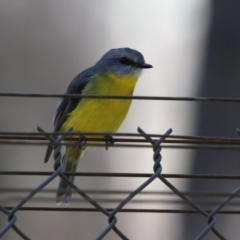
(109, 140)
(82, 139)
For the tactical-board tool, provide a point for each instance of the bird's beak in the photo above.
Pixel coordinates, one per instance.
(145, 65)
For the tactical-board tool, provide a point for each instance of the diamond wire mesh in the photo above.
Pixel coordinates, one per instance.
(112, 219)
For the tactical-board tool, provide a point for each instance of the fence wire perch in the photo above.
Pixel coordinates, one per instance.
(112, 220)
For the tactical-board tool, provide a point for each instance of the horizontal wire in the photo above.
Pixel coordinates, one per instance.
(29, 136)
(53, 95)
(203, 147)
(183, 139)
(131, 175)
(148, 201)
(133, 210)
(9, 138)
(121, 192)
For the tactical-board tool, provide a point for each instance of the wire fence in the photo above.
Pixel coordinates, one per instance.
(140, 140)
(111, 213)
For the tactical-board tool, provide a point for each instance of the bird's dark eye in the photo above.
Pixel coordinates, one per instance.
(123, 60)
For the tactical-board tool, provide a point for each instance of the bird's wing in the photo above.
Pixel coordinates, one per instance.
(67, 105)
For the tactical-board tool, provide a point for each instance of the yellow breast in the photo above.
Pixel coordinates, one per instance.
(102, 114)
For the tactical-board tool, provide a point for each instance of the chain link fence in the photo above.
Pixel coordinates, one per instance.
(112, 215)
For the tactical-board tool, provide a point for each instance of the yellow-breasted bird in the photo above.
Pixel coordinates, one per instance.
(116, 73)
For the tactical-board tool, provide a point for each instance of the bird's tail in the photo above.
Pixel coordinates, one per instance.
(70, 162)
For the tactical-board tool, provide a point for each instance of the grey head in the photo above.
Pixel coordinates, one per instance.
(122, 61)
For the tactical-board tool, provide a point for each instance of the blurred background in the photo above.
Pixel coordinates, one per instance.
(194, 46)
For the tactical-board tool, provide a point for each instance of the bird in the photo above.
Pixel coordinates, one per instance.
(116, 73)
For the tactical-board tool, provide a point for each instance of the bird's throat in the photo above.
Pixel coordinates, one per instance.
(111, 84)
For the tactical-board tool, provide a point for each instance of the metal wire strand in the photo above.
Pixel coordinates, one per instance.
(53, 95)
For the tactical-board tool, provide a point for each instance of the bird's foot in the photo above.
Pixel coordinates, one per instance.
(82, 140)
(109, 141)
